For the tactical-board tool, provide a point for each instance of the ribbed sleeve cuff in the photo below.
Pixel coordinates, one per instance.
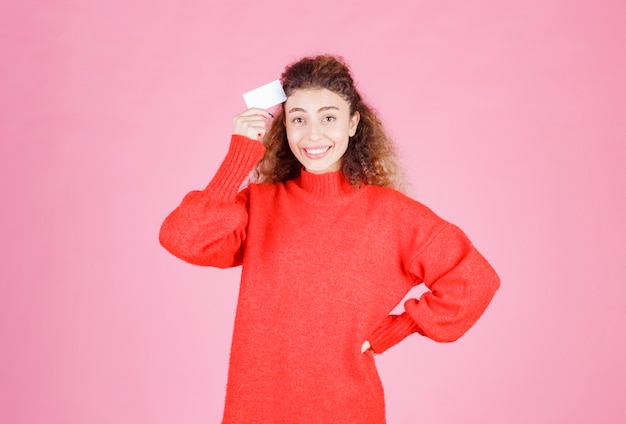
(242, 155)
(392, 331)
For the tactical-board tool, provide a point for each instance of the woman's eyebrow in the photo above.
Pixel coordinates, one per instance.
(322, 109)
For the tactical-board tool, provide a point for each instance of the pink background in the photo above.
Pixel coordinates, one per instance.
(510, 119)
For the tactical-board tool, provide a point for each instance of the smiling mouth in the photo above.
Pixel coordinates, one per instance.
(317, 151)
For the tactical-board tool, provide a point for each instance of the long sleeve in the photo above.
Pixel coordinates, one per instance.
(208, 227)
(461, 284)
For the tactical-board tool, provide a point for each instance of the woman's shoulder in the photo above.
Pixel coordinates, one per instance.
(391, 195)
(400, 204)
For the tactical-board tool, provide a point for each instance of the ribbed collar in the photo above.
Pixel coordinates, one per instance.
(331, 185)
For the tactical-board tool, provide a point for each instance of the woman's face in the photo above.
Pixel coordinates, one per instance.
(319, 126)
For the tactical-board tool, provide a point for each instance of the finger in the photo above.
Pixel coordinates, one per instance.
(251, 131)
(245, 126)
(251, 119)
(252, 123)
(245, 121)
(255, 111)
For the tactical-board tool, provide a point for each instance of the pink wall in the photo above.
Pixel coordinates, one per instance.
(510, 118)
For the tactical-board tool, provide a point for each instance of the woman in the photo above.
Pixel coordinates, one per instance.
(328, 247)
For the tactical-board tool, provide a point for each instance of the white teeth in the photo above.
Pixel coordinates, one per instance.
(317, 151)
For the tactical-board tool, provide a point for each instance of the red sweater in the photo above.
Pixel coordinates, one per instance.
(323, 266)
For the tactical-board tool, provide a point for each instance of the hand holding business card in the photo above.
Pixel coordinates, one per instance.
(253, 122)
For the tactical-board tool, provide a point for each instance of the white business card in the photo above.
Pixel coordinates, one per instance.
(266, 96)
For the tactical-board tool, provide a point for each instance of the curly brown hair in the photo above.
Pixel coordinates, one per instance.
(370, 157)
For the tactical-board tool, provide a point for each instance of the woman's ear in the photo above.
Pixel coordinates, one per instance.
(354, 123)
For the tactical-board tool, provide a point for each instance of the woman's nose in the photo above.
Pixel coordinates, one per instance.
(314, 132)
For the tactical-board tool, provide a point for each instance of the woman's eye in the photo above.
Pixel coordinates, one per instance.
(329, 118)
(297, 120)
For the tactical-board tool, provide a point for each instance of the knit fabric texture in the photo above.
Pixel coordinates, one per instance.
(323, 264)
